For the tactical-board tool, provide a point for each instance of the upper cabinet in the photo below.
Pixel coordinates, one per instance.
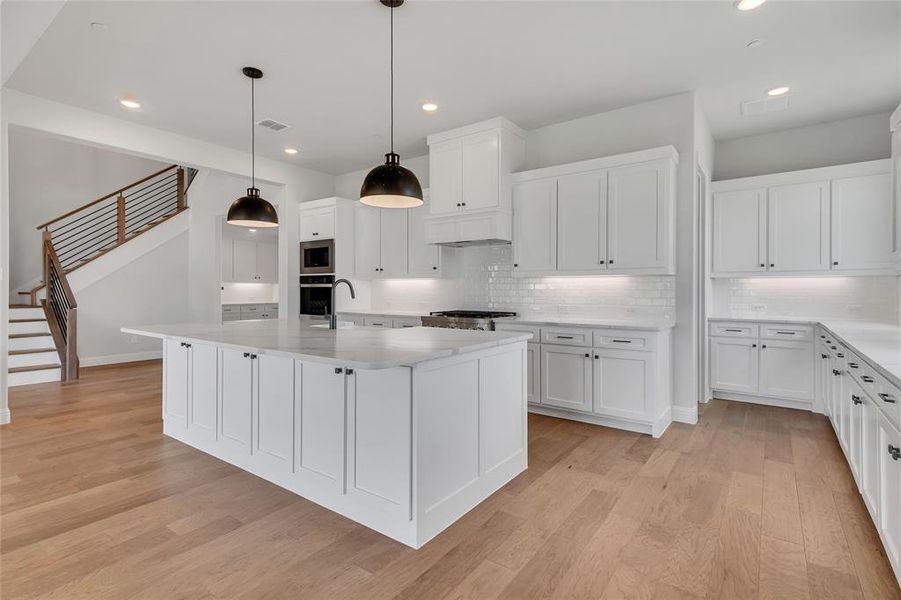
(317, 223)
(832, 220)
(469, 178)
(330, 219)
(612, 215)
(247, 261)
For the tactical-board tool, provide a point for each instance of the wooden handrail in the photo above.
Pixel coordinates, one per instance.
(107, 197)
(64, 282)
(62, 314)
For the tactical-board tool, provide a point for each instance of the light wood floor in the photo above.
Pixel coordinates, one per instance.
(753, 502)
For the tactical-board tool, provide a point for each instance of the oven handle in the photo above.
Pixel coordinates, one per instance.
(315, 285)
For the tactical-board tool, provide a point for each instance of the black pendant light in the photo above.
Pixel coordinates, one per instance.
(252, 210)
(391, 185)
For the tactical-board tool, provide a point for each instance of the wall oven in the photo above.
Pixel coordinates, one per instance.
(317, 257)
(316, 294)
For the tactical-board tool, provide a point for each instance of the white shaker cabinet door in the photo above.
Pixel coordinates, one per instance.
(245, 261)
(227, 250)
(317, 224)
(267, 262)
(862, 222)
(446, 177)
(422, 258)
(481, 170)
(535, 226)
(869, 456)
(638, 217)
(176, 377)
(533, 385)
(204, 390)
(739, 231)
(273, 431)
(566, 377)
(623, 383)
(798, 232)
(582, 222)
(734, 365)
(236, 410)
(320, 411)
(393, 243)
(890, 491)
(366, 241)
(786, 369)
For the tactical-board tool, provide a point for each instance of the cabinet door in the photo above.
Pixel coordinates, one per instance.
(786, 370)
(890, 491)
(854, 400)
(566, 377)
(637, 217)
(176, 384)
(308, 224)
(739, 231)
(862, 222)
(533, 379)
(393, 243)
(236, 410)
(446, 177)
(798, 232)
(204, 390)
(267, 262)
(273, 431)
(366, 241)
(321, 411)
(245, 261)
(535, 226)
(582, 222)
(869, 456)
(734, 365)
(422, 258)
(227, 250)
(325, 223)
(623, 384)
(481, 170)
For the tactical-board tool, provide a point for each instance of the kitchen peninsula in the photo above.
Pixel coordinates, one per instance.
(401, 430)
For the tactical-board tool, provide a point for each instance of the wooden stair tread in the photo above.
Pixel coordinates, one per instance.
(27, 320)
(24, 305)
(31, 351)
(28, 335)
(46, 367)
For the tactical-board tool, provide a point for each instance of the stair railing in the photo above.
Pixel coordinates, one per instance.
(61, 310)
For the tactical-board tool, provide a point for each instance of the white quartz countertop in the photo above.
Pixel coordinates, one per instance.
(358, 347)
(642, 324)
(385, 313)
(880, 343)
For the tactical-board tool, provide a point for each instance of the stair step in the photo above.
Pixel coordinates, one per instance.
(16, 336)
(28, 326)
(26, 312)
(28, 320)
(33, 358)
(24, 306)
(34, 376)
(42, 367)
(30, 351)
(31, 342)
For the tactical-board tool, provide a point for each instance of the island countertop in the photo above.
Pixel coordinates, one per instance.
(358, 347)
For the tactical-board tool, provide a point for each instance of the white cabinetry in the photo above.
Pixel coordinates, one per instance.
(624, 383)
(889, 452)
(786, 369)
(735, 365)
(612, 215)
(381, 244)
(423, 259)
(567, 377)
(252, 262)
(832, 220)
(317, 223)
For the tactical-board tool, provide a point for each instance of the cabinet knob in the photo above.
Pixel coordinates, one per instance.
(824, 356)
(464, 204)
(338, 370)
(894, 452)
(610, 262)
(835, 263)
(763, 346)
(247, 355)
(887, 398)
(772, 264)
(856, 399)
(587, 355)
(458, 204)
(596, 357)
(434, 268)
(349, 371)
(753, 345)
(840, 355)
(835, 372)
(762, 265)
(600, 262)
(515, 265)
(853, 365)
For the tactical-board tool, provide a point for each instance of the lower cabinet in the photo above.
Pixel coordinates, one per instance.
(533, 377)
(734, 365)
(786, 370)
(868, 477)
(623, 383)
(566, 380)
(888, 450)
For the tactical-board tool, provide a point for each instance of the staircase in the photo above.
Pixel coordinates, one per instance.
(43, 332)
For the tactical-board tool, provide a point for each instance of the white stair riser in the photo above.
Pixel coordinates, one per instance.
(28, 377)
(30, 343)
(26, 313)
(37, 358)
(29, 327)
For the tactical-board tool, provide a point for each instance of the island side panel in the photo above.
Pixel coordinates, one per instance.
(470, 432)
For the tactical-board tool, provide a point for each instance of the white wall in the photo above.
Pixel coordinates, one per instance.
(49, 177)
(822, 145)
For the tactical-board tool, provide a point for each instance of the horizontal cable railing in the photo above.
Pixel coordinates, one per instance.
(97, 227)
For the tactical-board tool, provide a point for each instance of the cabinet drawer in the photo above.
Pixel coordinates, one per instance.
(566, 336)
(739, 330)
(251, 309)
(888, 398)
(271, 307)
(376, 322)
(535, 330)
(231, 317)
(230, 309)
(401, 323)
(797, 333)
(623, 339)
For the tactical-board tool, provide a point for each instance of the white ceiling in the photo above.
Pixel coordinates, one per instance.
(535, 62)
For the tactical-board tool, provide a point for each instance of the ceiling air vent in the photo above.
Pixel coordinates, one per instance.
(766, 105)
(273, 125)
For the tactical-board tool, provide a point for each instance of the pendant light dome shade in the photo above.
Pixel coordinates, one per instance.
(391, 186)
(252, 210)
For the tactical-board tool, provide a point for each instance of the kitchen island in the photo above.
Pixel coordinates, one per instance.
(401, 430)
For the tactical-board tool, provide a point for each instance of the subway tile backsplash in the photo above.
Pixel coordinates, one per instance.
(848, 298)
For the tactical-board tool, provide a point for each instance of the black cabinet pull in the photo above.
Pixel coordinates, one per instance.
(824, 356)
(734, 330)
(763, 346)
(596, 357)
(247, 355)
(894, 452)
(772, 265)
(835, 263)
(458, 204)
(856, 399)
(600, 262)
(866, 379)
(621, 341)
(434, 268)
(587, 355)
(564, 337)
(835, 372)
(338, 370)
(753, 345)
(887, 398)
(349, 371)
(762, 265)
(253, 357)
(610, 262)
(840, 355)
(786, 332)
(853, 365)
(515, 264)
(464, 204)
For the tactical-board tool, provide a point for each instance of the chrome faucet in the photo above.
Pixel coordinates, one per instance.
(333, 318)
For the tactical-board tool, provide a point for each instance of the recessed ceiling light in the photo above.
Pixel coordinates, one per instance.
(130, 103)
(429, 107)
(778, 91)
(748, 4)
(290, 150)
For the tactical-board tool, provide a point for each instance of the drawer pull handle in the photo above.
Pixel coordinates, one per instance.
(753, 345)
(887, 398)
(840, 355)
(338, 370)
(824, 356)
(786, 332)
(856, 399)
(247, 355)
(734, 330)
(622, 341)
(853, 365)
(867, 379)
(587, 355)
(836, 372)
(894, 452)
(564, 337)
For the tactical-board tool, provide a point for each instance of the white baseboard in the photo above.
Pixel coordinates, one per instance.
(685, 414)
(655, 429)
(112, 359)
(766, 401)
(4, 415)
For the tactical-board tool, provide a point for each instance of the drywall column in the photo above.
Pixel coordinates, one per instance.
(4, 267)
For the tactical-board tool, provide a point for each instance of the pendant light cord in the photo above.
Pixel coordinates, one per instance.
(253, 139)
(392, 79)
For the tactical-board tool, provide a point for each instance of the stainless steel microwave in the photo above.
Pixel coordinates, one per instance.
(317, 257)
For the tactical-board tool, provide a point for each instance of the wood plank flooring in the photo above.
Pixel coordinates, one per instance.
(752, 502)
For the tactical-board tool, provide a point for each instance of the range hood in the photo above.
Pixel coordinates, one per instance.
(484, 228)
